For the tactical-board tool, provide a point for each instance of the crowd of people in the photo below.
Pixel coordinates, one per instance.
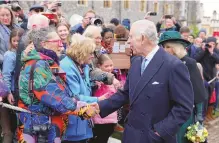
(64, 76)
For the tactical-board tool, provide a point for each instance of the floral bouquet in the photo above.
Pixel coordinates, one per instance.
(196, 133)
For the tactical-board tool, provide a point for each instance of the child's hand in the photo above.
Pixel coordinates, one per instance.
(98, 84)
(116, 83)
(103, 97)
(10, 99)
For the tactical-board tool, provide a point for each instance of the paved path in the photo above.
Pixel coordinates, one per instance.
(213, 134)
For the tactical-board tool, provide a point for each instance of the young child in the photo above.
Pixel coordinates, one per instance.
(9, 60)
(104, 127)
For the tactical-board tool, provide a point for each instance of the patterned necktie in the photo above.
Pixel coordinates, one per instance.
(143, 65)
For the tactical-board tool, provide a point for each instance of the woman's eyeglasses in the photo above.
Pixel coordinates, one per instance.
(56, 41)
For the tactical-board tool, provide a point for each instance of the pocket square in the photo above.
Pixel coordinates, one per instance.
(154, 83)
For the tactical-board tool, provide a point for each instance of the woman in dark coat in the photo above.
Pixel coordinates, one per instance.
(175, 45)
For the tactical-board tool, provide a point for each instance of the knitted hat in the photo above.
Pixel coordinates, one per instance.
(202, 30)
(211, 39)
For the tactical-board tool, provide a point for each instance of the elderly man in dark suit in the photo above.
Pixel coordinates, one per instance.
(158, 88)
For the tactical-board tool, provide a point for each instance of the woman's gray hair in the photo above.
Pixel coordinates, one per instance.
(90, 30)
(37, 37)
(178, 49)
(146, 28)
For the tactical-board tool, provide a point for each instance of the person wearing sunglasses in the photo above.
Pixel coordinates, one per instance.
(35, 9)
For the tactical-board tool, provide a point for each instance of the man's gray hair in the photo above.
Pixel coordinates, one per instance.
(146, 28)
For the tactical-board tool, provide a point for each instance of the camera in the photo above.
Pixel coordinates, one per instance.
(207, 46)
(41, 131)
(153, 13)
(43, 128)
(96, 21)
(59, 3)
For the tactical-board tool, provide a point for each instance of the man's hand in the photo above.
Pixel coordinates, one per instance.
(174, 20)
(162, 20)
(157, 134)
(116, 83)
(203, 46)
(52, 5)
(10, 98)
(147, 15)
(211, 50)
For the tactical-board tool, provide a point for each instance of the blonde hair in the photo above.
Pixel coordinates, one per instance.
(5, 6)
(90, 11)
(80, 48)
(178, 49)
(90, 30)
(68, 27)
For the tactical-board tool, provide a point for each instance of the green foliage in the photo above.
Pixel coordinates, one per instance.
(194, 30)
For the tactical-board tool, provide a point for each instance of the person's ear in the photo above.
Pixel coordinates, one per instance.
(143, 38)
(43, 44)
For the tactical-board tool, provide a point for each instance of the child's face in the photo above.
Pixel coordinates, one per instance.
(107, 66)
(63, 32)
(14, 41)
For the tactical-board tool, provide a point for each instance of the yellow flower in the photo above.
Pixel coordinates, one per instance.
(193, 139)
(189, 127)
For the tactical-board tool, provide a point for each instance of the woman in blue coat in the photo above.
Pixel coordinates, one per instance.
(76, 66)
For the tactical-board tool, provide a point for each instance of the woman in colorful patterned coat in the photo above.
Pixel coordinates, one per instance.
(49, 96)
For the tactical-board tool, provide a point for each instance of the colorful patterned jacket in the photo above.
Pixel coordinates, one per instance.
(50, 95)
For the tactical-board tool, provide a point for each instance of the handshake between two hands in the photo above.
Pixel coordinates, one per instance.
(87, 111)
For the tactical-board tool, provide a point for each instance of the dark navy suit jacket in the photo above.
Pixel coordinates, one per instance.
(160, 100)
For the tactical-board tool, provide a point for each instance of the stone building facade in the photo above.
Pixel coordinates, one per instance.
(132, 9)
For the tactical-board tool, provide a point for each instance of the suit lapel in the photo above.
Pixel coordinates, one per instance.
(149, 73)
(136, 68)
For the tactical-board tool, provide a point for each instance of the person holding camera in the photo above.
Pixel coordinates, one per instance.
(87, 19)
(208, 56)
(170, 24)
